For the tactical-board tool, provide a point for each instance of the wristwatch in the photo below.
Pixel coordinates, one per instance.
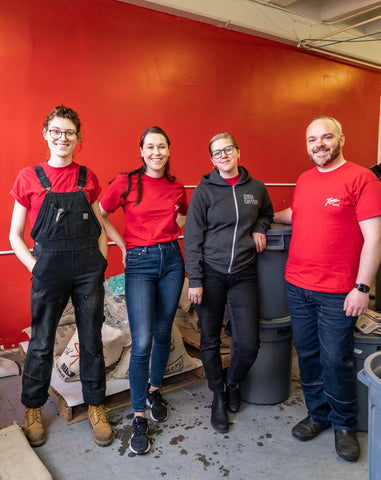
(362, 288)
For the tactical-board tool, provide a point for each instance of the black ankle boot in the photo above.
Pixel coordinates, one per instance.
(347, 445)
(219, 419)
(233, 398)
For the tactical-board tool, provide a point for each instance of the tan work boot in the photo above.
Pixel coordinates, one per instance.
(98, 420)
(33, 428)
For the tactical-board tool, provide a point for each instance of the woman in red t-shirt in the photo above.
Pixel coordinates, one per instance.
(155, 206)
(68, 260)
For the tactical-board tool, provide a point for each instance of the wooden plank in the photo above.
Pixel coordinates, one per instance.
(192, 337)
(122, 399)
(23, 347)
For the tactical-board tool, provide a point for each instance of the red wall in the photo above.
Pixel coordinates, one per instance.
(124, 68)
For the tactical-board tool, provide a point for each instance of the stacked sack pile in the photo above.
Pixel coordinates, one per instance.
(116, 340)
(187, 320)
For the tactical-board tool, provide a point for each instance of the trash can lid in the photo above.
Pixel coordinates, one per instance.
(365, 338)
(372, 369)
(275, 322)
(279, 229)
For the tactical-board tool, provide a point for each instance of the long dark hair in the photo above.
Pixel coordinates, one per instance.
(139, 171)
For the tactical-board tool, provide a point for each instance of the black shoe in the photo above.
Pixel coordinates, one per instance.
(309, 428)
(233, 398)
(158, 406)
(139, 442)
(219, 419)
(347, 446)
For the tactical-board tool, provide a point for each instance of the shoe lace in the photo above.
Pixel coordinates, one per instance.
(157, 399)
(140, 426)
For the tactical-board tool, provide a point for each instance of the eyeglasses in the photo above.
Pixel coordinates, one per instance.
(55, 134)
(218, 153)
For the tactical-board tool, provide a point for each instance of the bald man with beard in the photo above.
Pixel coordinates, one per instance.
(334, 255)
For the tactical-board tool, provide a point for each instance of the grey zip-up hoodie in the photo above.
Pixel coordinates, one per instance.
(220, 222)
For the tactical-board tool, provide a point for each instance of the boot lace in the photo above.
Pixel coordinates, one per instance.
(33, 415)
(98, 414)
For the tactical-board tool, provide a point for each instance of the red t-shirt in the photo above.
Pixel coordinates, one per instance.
(154, 219)
(326, 238)
(233, 180)
(28, 191)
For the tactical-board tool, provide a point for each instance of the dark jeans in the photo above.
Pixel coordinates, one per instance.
(154, 280)
(323, 338)
(56, 277)
(239, 292)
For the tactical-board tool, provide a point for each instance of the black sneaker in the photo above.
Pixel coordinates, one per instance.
(139, 442)
(158, 406)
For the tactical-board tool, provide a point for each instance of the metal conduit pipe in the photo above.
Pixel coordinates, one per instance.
(265, 3)
(341, 30)
(11, 252)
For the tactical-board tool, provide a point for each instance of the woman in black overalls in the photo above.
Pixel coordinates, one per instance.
(69, 260)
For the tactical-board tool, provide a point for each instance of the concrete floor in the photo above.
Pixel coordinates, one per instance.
(258, 446)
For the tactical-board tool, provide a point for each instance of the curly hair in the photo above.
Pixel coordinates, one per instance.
(63, 112)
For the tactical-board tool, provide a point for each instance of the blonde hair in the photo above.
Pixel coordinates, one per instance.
(219, 136)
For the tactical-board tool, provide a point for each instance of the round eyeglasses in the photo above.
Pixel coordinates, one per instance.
(56, 133)
(218, 153)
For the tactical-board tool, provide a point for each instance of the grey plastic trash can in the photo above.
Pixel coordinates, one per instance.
(268, 381)
(363, 346)
(378, 290)
(271, 264)
(370, 375)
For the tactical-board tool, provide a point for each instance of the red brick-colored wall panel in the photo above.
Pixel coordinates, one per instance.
(125, 68)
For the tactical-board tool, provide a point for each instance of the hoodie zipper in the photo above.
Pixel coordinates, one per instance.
(235, 230)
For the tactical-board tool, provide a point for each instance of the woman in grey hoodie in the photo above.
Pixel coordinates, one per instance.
(227, 219)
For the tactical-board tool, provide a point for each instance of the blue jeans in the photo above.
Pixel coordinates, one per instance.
(239, 292)
(323, 338)
(154, 280)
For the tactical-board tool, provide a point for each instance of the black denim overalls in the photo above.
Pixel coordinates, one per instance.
(69, 263)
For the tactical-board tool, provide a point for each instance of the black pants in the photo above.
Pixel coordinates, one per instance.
(56, 277)
(239, 292)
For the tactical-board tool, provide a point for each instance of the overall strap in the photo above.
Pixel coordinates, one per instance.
(82, 177)
(42, 177)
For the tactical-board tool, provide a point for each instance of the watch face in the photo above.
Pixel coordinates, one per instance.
(362, 288)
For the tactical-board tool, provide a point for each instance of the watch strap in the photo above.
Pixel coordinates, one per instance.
(362, 287)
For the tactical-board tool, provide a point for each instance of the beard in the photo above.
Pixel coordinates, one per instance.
(332, 156)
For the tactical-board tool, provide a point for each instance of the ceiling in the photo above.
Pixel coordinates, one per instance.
(349, 29)
(343, 15)
(328, 11)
